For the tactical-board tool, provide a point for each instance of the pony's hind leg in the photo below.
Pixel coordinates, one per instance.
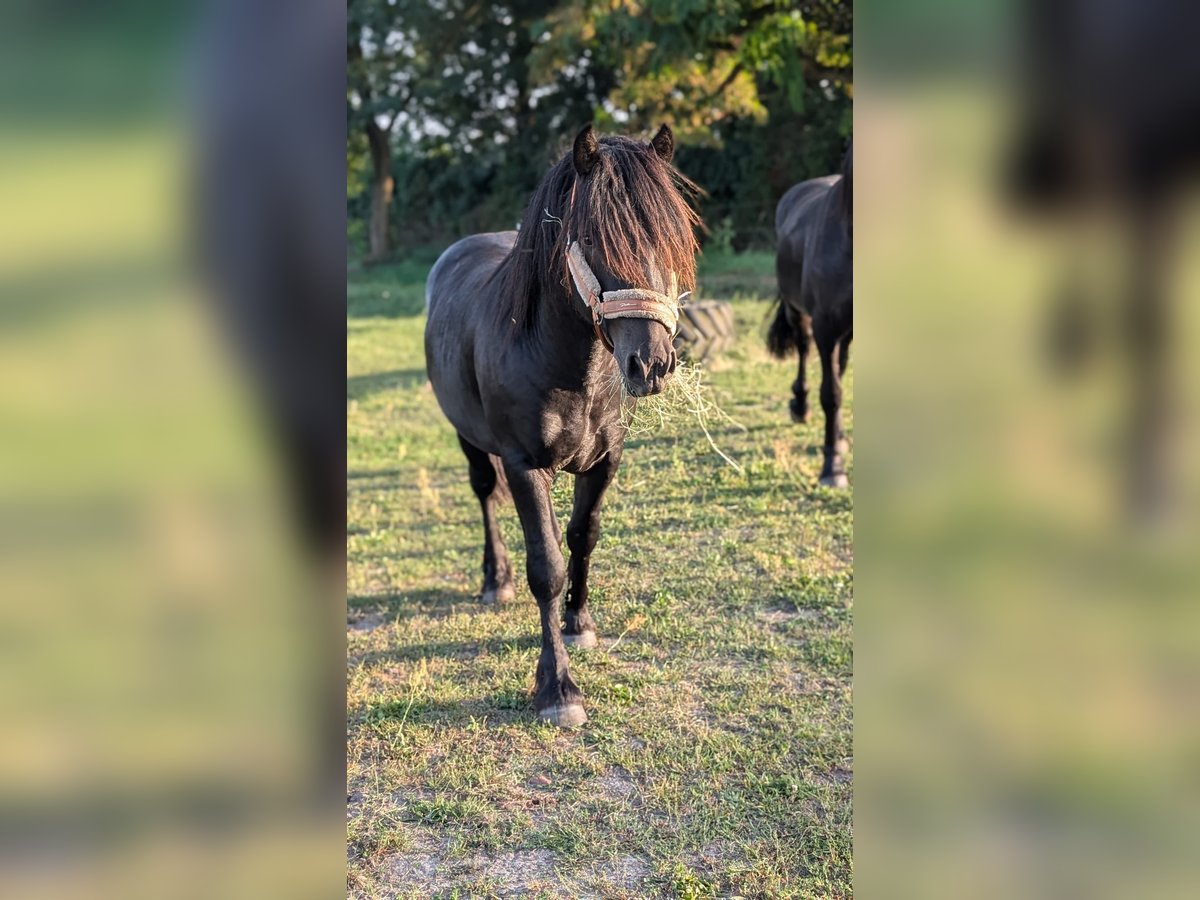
(497, 575)
(556, 697)
(833, 472)
(799, 403)
(582, 533)
(1148, 323)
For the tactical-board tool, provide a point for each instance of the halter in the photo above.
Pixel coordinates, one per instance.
(629, 303)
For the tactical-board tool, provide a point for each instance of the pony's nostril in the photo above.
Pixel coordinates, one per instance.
(672, 362)
(634, 367)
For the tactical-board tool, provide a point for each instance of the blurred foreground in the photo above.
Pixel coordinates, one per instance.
(1027, 659)
(166, 613)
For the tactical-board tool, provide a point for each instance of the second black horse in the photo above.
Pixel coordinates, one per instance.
(814, 262)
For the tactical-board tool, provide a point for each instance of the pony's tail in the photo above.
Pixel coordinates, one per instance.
(502, 491)
(781, 337)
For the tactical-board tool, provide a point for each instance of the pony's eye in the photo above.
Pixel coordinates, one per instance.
(587, 242)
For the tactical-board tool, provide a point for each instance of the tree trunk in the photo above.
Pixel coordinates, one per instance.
(381, 192)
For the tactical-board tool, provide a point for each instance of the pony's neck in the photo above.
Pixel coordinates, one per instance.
(569, 340)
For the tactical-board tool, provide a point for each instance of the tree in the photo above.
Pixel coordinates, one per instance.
(758, 91)
(452, 78)
(398, 68)
(701, 65)
(369, 77)
(457, 106)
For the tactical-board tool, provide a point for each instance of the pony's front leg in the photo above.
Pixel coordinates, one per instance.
(557, 699)
(582, 533)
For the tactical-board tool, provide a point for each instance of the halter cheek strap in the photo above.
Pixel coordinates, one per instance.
(629, 303)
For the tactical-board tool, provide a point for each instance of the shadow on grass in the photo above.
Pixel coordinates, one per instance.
(497, 709)
(721, 434)
(431, 601)
(456, 649)
(375, 473)
(439, 603)
(360, 387)
(464, 551)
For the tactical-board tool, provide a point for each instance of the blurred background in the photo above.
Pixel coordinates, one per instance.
(458, 108)
(1026, 627)
(167, 606)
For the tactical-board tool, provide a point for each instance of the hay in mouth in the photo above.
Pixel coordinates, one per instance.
(686, 397)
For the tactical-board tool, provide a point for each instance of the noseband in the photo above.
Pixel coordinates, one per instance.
(629, 303)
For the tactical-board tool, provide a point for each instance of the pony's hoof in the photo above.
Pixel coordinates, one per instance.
(836, 480)
(505, 593)
(799, 416)
(585, 640)
(568, 715)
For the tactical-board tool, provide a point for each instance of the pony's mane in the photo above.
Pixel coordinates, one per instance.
(633, 206)
(847, 184)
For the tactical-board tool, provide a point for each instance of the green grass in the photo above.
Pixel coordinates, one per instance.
(389, 289)
(717, 760)
(737, 275)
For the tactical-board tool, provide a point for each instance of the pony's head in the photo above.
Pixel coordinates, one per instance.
(629, 223)
(611, 226)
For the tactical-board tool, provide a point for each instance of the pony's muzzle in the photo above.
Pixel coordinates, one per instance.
(643, 379)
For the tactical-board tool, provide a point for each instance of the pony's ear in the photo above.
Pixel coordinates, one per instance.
(664, 143)
(587, 150)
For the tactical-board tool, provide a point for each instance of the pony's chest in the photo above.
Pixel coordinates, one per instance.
(575, 436)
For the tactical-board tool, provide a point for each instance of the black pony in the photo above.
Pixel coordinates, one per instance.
(814, 228)
(528, 331)
(1109, 132)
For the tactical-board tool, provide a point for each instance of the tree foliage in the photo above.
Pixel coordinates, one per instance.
(475, 98)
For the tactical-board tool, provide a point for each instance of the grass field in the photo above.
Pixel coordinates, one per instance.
(717, 760)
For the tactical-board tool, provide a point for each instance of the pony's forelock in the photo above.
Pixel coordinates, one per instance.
(634, 207)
